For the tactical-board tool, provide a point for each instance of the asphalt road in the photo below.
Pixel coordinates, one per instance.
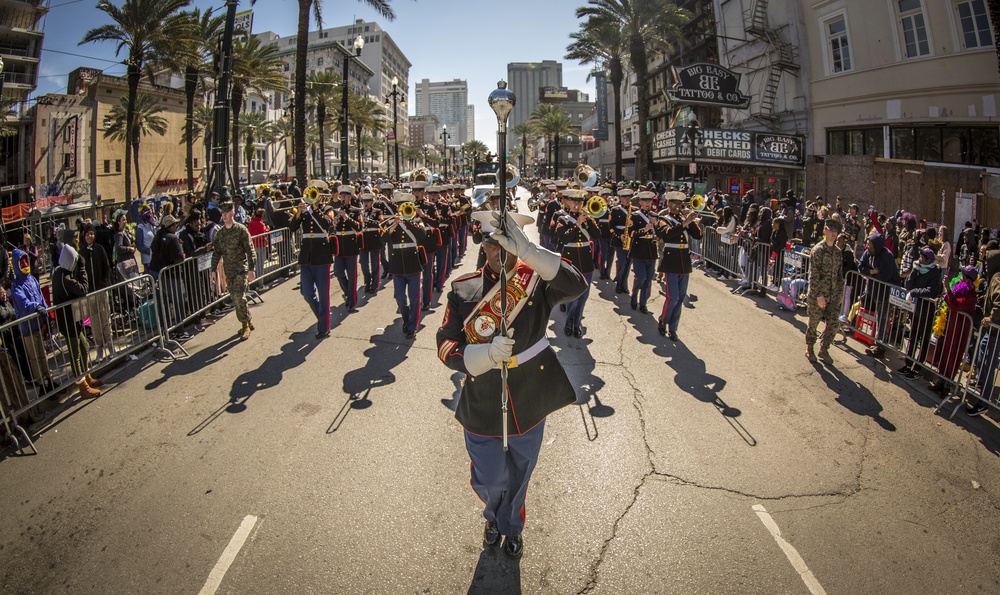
(725, 463)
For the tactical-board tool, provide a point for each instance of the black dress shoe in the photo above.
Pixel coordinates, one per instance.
(411, 335)
(662, 329)
(634, 303)
(643, 309)
(425, 308)
(513, 546)
(568, 330)
(491, 535)
(352, 310)
(578, 332)
(672, 336)
(322, 334)
(385, 274)
(619, 289)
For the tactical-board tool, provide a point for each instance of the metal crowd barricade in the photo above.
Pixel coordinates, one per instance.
(886, 318)
(186, 291)
(276, 251)
(37, 357)
(795, 276)
(725, 251)
(982, 358)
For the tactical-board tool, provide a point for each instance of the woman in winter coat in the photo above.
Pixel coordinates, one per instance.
(144, 233)
(69, 282)
(923, 287)
(124, 243)
(98, 267)
(779, 240)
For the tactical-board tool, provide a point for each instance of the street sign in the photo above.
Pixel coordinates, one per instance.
(897, 298)
(244, 22)
(391, 135)
(708, 84)
(692, 168)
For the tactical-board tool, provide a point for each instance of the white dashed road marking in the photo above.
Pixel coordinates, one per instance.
(793, 556)
(228, 555)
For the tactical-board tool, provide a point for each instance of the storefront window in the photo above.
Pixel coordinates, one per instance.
(928, 143)
(902, 143)
(874, 142)
(948, 144)
(862, 141)
(984, 146)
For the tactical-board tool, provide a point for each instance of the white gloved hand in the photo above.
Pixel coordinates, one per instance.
(482, 358)
(544, 262)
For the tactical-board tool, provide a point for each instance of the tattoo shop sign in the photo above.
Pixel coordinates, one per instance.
(708, 84)
(730, 146)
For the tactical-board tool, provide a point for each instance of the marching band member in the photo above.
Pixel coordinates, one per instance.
(552, 207)
(619, 228)
(442, 256)
(406, 264)
(603, 240)
(315, 258)
(469, 342)
(384, 202)
(371, 243)
(676, 230)
(431, 242)
(574, 235)
(348, 223)
(463, 205)
(642, 252)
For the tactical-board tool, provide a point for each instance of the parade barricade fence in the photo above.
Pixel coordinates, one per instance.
(276, 252)
(795, 276)
(882, 315)
(38, 358)
(980, 383)
(729, 252)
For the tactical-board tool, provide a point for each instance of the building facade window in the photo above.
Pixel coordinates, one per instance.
(857, 141)
(107, 166)
(974, 24)
(968, 145)
(911, 19)
(118, 166)
(840, 50)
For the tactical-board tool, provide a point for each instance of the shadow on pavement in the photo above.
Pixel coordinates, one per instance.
(496, 573)
(380, 359)
(197, 361)
(267, 375)
(855, 397)
(452, 403)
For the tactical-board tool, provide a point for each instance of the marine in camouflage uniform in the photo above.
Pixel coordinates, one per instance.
(232, 245)
(825, 281)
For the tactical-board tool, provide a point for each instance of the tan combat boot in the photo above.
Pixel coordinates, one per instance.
(245, 333)
(824, 354)
(811, 353)
(250, 322)
(86, 392)
(92, 382)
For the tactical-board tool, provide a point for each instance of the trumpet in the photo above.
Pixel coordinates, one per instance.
(596, 207)
(512, 176)
(585, 175)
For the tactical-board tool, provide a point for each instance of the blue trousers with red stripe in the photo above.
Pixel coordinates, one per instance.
(346, 270)
(441, 267)
(371, 269)
(427, 281)
(406, 290)
(500, 479)
(314, 285)
(677, 287)
(644, 271)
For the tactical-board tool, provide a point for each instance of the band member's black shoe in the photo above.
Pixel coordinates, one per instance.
(568, 330)
(635, 303)
(411, 335)
(425, 308)
(578, 332)
(385, 274)
(619, 289)
(491, 535)
(643, 309)
(352, 310)
(322, 334)
(672, 336)
(662, 329)
(513, 546)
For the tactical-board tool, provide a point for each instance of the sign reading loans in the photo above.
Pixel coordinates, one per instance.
(708, 84)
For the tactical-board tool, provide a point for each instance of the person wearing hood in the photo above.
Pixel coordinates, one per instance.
(879, 264)
(98, 267)
(69, 282)
(923, 286)
(761, 251)
(26, 295)
(144, 233)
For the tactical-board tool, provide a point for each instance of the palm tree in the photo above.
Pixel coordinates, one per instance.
(188, 56)
(202, 121)
(524, 132)
(412, 155)
(145, 122)
(282, 130)
(301, 51)
(476, 151)
(648, 26)
(252, 125)
(269, 134)
(323, 89)
(365, 114)
(144, 28)
(256, 69)
(8, 117)
(552, 122)
(603, 44)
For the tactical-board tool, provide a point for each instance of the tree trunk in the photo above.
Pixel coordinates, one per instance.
(236, 106)
(617, 75)
(556, 153)
(299, 104)
(638, 59)
(190, 87)
(135, 155)
(357, 142)
(134, 74)
(321, 121)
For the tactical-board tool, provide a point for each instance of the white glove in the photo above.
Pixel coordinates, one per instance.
(484, 357)
(544, 262)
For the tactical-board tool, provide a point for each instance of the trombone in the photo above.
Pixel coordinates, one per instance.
(697, 204)
(596, 207)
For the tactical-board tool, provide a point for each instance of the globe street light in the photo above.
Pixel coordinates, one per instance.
(444, 139)
(359, 43)
(396, 94)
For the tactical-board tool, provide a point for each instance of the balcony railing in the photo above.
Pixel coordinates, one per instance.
(18, 78)
(14, 51)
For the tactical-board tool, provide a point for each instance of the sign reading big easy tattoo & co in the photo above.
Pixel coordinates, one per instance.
(708, 84)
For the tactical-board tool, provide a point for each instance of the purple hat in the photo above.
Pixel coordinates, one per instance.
(927, 253)
(970, 272)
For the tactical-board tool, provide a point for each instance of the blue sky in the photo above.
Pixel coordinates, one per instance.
(444, 39)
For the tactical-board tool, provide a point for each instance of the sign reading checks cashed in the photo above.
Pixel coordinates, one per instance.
(731, 146)
(708, 84)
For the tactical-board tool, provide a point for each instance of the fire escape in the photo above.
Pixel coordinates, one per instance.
(780, 55)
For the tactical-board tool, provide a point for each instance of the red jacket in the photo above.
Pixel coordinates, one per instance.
(257, 228)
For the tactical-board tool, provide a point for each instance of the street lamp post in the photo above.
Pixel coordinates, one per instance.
(695, 141)
(444, 140)
(221, 114)
(2, 77)
(396, 94)
(359, 43)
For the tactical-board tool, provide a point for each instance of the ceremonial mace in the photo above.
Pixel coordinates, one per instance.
(502, 102)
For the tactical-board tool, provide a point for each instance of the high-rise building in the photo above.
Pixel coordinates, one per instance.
(21, 49)
(449, 101)
(423, 130)
(470, 123)
(525, 79)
